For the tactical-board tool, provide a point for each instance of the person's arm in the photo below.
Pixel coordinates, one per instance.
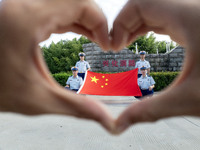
(152, 82)
(76, 65)
(22, 28)
(148, 68)
(151, 87)
(81, 81)
(68, 83)
(88, 66)
(165, 17)
(136, 65)
(148, 71)
(138, 83)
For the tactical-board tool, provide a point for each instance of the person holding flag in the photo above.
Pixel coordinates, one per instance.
(146, 83)
(82, 65)
(74, 82)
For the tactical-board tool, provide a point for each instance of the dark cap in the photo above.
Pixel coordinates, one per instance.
(81, 54)
(142, 52)
(143, 68)
(74, 69)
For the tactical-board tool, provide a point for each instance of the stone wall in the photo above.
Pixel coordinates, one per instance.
(125, 60)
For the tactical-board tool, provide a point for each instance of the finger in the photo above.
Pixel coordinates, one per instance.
(94, 19)
(86, 14)
(125, 23)
(76, 28)
(172, 102)
(68, 103)
(142, 30)
(91, 23)
(133, 36)
(154, 15)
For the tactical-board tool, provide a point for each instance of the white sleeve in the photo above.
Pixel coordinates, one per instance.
(68, 81)
(76, 65)
(152, 81)
(138, 82)
(148, 65)
(136, 65)
(87, 65)
(81, 81)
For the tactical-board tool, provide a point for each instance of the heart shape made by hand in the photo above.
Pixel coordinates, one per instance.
(26, 86)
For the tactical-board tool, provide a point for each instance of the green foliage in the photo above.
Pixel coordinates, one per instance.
(62, 56)
(149, 44)
(62, 77)
(163, 79)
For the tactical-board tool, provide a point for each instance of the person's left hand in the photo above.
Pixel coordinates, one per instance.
(150, 88)
(165, 17)
(25, 83)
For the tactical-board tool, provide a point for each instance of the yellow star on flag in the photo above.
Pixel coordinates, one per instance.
(94, 79)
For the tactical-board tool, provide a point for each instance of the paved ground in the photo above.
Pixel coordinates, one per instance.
(53, 132)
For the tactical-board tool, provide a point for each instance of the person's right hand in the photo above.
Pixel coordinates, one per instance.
(180, 20)
(25, 83)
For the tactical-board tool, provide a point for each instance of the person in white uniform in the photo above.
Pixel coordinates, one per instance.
(142, 62)
(146, 83)
(82, 65)
(74, 82)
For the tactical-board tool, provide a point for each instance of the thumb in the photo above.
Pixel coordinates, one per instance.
(171, 102)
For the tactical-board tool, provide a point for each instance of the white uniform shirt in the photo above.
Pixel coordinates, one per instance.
(82, 66)
(74, 83)
(145, 82)
(139, 64)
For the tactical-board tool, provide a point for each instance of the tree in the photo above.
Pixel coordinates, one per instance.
(149, 44)
(62, 56)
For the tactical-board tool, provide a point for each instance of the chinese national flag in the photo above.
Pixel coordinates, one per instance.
(116, 84)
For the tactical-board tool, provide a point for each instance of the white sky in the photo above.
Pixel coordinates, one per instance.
(110, 8)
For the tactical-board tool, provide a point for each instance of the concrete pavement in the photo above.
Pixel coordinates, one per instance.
(54, 132)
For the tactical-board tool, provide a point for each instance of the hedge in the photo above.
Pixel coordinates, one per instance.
(162, 79)
(62, 77)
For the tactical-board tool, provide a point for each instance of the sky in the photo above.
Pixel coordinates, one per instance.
(110, 8)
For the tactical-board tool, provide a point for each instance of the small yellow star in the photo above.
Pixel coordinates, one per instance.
(94, 79)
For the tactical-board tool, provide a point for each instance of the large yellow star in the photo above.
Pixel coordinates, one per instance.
(94, 79)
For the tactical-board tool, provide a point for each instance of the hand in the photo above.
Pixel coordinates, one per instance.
(26, 86)
(150, 88)
(180, 20)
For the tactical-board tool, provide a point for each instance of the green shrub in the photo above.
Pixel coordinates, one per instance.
(162, 79)
(62, 77)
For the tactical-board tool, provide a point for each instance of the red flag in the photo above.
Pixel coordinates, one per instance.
(116, 84)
